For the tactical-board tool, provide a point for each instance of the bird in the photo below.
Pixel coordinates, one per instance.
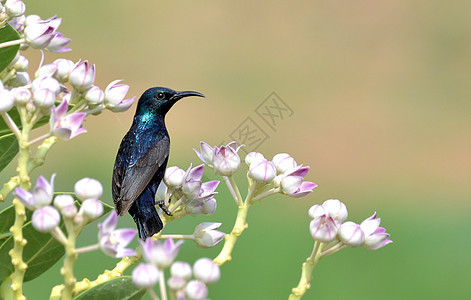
(142, 159)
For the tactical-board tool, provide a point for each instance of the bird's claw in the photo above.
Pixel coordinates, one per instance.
(164, 207)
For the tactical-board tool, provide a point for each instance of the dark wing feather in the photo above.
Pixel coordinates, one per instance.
(148, 153)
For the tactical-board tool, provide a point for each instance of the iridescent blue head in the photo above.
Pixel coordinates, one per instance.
(159, 100)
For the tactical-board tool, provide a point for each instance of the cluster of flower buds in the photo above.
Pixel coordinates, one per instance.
(282, 172)
(46, 217)
(185, 282)
(328, 225)
(11, 9)
(187, 192)
(158, 256)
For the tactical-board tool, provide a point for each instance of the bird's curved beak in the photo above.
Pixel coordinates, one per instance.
(183, 94)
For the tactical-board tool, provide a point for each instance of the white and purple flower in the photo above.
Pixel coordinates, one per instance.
(113, 241)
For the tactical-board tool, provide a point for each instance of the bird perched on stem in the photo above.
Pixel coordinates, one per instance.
(142, 159)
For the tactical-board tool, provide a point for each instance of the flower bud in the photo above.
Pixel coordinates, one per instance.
(58, 43)
(336, 209)
(64, 66)
(209, 206)
(6, 100)
(38, 35)
(114, 97)
(316, 211)
(176, 283)
(262, 171)
(82, 76)
(22, 64)
(21, 79)
(323, 229)
(226, 161)
(173, 177)
(351, 234)
(194, 207)
(196, 290)
(44, 98)
(206, 154)
(61, 201)
(46, 83)
(284, 162)
(88, 188)
(45, 219)
(92, 208)
(14, 8)
(69, 211)
(94, 95)
(43, 192)
(46, 71)
(145, 276)
(181, 269)
(253, 156)
(21, 94)
(206, 271)
(206, 235)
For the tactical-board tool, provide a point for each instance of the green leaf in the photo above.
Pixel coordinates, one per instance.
(119, 288)
(40, 253)
(8, 149)
(7, 54)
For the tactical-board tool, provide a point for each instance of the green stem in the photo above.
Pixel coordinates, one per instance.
(16, 253)
(306, 274)
(11, 124)
(67, 269)
(163, 289)
(236, 189)
(231, 189)
(230, 239)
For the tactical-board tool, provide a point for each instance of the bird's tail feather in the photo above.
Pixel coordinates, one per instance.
(145, 215)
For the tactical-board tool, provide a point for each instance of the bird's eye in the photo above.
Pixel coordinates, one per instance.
(160, 96)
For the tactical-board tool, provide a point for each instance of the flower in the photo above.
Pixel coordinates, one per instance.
(226, 161)
(173, 177)
(18, 23)
(38, 35)
(22, 95)
(316, 211)
(207, 190)
(6, 100)
(66, 126)
(92, 208)
(293, 183)
(284, 162)
(58, 43)
(191, 184)
(253, 156)
(21, 79)
(176, 283)
(206, 154)
(323, 229)
(160, 254)
(375, 236)
(193, 207)
(14, 8)
(46, 82)
(113, 241)
(114, 97)
(262, 170)
(61, 201)
(21, 64)
(206, 271)
(64, 66)
(82, 76)
(42, 194)
(351, 234)
(44, 97)
(209, 206)
(94, 95)
(206, 235)
(46, 70)
(335, 209)
(87, 188)
(45, 219)
(196, 290)
(181, 269)
(145, 276)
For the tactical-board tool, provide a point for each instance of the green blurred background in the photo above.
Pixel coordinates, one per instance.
(380, 94)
